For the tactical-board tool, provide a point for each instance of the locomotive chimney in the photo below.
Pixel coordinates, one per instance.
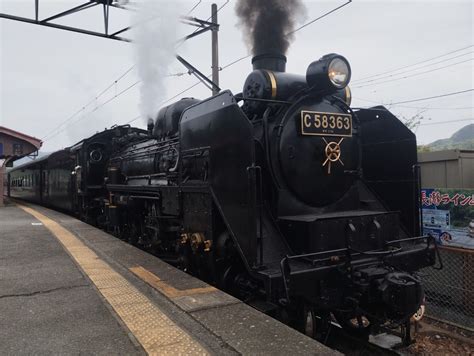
(272, 61)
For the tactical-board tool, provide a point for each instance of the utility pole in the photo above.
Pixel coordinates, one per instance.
(204, 26)
(215, 49)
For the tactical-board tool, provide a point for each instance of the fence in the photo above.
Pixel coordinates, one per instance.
(450, 291)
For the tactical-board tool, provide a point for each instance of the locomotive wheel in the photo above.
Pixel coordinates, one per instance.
(313, 324)
(310, 323)
(227, 261)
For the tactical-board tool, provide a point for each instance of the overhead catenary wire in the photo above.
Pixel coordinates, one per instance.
(194, 7)
(358, 82)
(419, 99)
(446, 122)
(221, 69)
(230, 64)
(167, 100)
(53, 133)
(414, 64)
(416, 107)
(319, 18)
(433, 97)
(209, 18)
(412, 75)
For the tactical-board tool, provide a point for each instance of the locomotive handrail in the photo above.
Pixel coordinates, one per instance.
(161, 145)
(429, 239)
(408, 239)
(144, 197)
(259, 188)
(239, 98)
(343, 250)
(143, 154)
(147, 176)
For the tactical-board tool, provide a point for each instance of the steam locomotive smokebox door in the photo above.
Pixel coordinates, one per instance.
(217, 127)
(389, 156)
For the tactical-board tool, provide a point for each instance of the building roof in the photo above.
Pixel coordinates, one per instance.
(446, 155)
(21, 136)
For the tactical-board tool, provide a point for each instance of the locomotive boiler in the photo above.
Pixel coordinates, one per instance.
(283, 196)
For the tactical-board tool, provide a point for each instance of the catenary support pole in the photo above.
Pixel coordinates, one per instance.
(215, 49)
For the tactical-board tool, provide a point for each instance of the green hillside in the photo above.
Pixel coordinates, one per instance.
(461, 139)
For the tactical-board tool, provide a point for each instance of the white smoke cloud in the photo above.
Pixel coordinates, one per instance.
(158, 28)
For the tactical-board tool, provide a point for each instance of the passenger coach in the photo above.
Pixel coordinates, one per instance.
(71, 179)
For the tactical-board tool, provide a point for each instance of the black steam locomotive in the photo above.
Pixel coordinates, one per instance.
(281, 195)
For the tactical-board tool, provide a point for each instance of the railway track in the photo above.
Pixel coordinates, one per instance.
(347, 344)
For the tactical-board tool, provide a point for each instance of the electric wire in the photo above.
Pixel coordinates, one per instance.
(95, 109)
(414, 64)
(167, 100)
(358, 82)
(194, 7)
(232, 62)
(50, 134)
(412, 75)
(319, 18)
(209, 18)
(197, 83)
(243, 57)
(433, 97)
(415, 107)
(446, 122)
(421, 99)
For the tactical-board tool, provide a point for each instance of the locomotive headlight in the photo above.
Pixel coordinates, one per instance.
(330, 73)
(339, 72)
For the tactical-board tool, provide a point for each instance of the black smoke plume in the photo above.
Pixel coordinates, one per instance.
(268, 24)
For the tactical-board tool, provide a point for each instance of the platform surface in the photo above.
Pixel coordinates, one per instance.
(69, 288)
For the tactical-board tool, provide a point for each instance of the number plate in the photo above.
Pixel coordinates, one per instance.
(326, 124)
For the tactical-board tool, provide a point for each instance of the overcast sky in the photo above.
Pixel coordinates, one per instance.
(47, 75)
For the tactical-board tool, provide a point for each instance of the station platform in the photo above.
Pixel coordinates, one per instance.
(69, 288)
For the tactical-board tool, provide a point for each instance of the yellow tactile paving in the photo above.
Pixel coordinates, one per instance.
(157, 333)
(171, 292)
